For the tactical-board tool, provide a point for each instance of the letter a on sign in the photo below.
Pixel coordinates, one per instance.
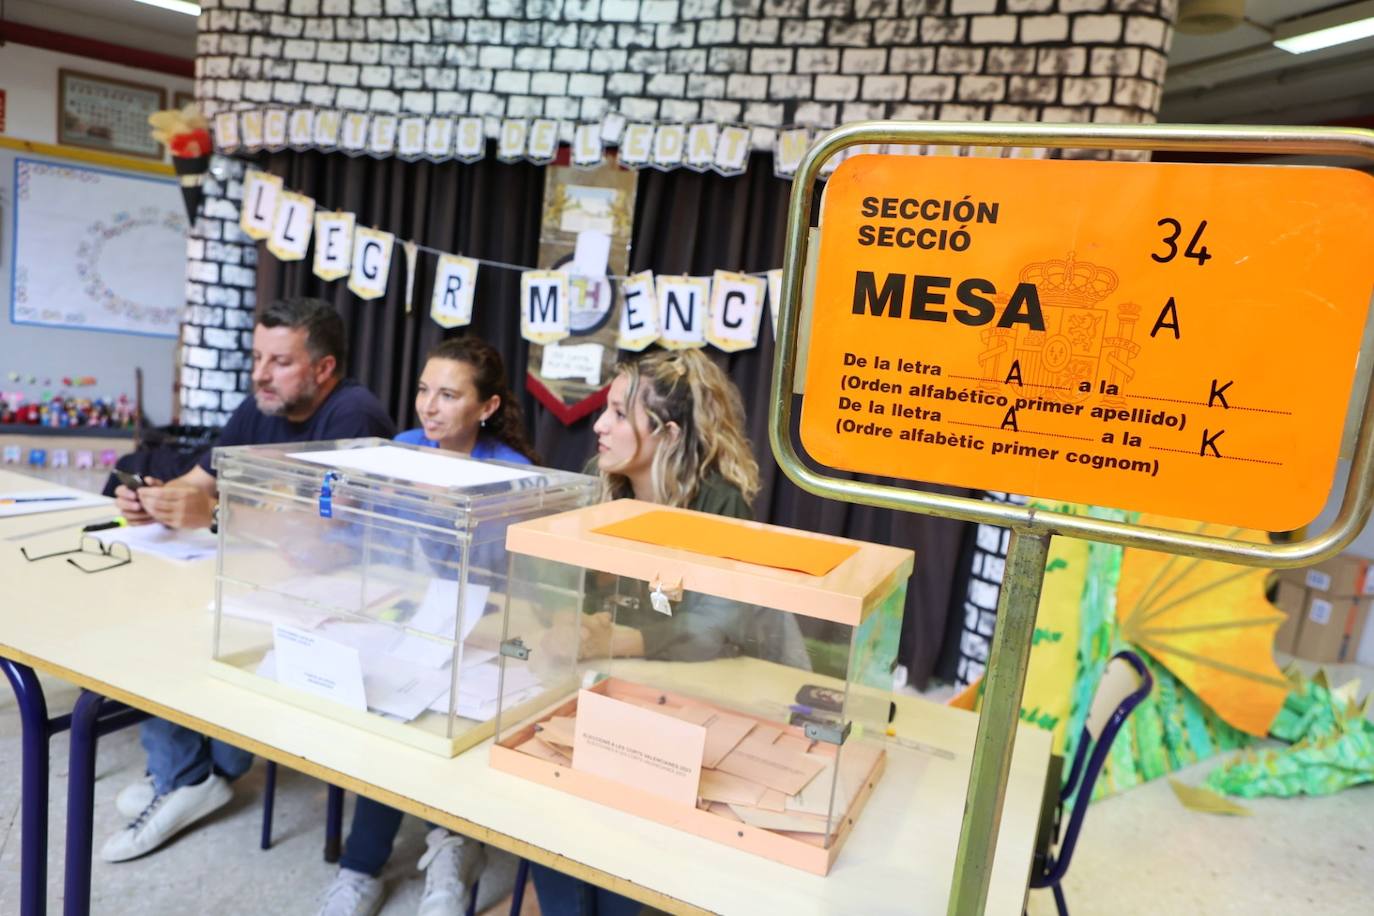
(544, 299)
(455, 280)
(259, 209)
(736, 309)
(333, 245)
(291, 230)
(638, 312)
(682, 304)
(371, 263)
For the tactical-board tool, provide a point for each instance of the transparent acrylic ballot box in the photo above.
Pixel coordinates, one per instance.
(365, 580)
(723, 677)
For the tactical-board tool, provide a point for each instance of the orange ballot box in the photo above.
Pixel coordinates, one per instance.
(1173, 338)
(724, 677)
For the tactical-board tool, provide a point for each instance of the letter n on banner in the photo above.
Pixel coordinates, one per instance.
(594, 204)
(291, 230)
(371, 263)
(736, 309)
(545, 305)
(455, 280)
(333, 245)
(258, 211)
(682, 305)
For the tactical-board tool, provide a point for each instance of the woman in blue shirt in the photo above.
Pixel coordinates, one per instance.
(465, 405)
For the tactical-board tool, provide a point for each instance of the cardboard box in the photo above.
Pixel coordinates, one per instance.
(1340, 577)
(1292, 600)
(1332, 628)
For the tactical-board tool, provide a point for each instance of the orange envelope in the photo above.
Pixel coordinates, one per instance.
(638, 747)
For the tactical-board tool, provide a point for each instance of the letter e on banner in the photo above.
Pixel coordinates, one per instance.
(371, 263)
(291, 230)
(455, 280)
(637, 145)
(259, 208)
(638, 312)
(736, 309)
(333, 245)
(682, 305)
(545, 298)
(543, 142)
(226, 131)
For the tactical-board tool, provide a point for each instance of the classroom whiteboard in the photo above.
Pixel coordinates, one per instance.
(97, 250)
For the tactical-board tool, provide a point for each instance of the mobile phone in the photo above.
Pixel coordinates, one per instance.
(132, 481)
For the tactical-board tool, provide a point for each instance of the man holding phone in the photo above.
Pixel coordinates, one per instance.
(299, 395)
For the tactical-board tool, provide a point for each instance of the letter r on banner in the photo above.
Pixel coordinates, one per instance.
(455, 281)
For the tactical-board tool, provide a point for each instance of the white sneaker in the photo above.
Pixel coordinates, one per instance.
(451, 866)
(134, 797)
(166, 816)
(353, 893)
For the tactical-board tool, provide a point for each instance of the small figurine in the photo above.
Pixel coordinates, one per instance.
(60, 458)
(12, 454)
(38, 457)
(85, 459)
(108, 457)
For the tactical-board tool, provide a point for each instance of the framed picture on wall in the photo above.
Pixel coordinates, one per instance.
(99, 112)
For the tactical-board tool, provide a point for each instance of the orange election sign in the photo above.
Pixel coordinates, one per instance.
(1178, 339)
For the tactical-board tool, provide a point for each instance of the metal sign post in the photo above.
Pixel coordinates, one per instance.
(1189, 478)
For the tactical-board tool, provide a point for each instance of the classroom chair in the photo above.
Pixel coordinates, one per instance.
(1125, 682)
(333, 833)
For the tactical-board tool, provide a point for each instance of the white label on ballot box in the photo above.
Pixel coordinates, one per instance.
(1320, 612)
(319, 666)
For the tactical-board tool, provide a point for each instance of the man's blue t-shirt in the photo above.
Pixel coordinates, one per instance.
(486, 449)
(350, 412)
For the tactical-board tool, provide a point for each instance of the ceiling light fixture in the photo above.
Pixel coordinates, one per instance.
(176, 6)
(1324, 30)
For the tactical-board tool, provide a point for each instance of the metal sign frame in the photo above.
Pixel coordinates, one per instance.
(1032, 528)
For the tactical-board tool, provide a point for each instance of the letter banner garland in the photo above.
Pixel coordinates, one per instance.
(593, 316)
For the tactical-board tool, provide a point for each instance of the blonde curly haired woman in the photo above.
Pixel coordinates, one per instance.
(673, 434)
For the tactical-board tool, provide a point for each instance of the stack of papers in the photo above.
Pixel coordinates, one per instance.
(57, 499)
(159, 540)
(751, 771)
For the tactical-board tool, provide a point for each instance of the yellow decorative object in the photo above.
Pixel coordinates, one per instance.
(1208, 623)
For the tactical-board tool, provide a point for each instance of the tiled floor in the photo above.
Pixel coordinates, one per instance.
(1141, 852)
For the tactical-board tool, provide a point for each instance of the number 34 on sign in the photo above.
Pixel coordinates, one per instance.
(1178, 339)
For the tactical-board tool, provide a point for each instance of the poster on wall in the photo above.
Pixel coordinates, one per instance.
(97, 250)
(99, 112)
(585, 233)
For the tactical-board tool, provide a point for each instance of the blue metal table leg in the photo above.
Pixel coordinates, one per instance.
(81, 803)
(33, 714)
(333, 825)
(91, 717)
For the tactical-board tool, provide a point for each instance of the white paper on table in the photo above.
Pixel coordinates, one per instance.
(427, 466)
(591, 254)
(478, 690)
(394, 687)
(438, 614)
(319, 666)
(159, 540)
(53, 500)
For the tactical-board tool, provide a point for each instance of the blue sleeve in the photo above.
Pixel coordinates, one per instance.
(412, 437)
(238, 431)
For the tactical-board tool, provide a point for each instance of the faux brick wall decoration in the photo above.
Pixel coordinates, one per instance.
(764, 65)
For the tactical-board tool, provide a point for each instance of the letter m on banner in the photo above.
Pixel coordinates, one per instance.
(544, 306)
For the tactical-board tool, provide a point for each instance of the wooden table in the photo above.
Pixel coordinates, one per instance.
(141, 635)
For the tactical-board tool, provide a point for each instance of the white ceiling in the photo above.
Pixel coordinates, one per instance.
(1239, 77)
(121, 22)
(1232, 77)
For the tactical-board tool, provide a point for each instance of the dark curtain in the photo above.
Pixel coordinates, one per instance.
(685, 223)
